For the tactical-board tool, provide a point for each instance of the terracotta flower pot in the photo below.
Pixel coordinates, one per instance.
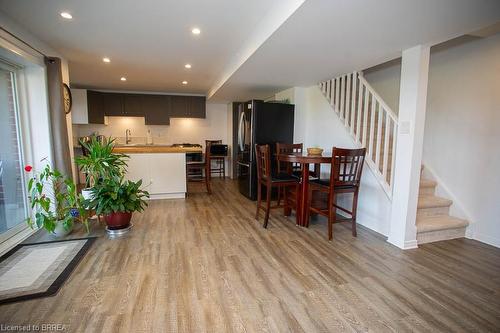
(118, 220)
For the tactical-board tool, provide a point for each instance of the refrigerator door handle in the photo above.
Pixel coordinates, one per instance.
(241, 132)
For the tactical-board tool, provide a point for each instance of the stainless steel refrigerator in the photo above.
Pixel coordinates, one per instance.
(260, 122)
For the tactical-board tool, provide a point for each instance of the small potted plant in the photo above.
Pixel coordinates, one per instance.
(99, 163)
(55, 202)
(117, 199)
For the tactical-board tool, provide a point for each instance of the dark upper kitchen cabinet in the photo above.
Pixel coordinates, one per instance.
(180, 105)
(113, 104)
(197, 107)
(156, 109)
(188, 106)
(133, 105)
(95, 107)
(123, 105)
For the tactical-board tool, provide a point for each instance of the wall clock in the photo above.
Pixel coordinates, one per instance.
(68, 100)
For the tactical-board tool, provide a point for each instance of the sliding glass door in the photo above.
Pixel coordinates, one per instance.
(12, 190)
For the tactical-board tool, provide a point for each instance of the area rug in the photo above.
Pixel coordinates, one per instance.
(39, 269)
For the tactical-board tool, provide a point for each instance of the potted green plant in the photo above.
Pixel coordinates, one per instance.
(99, 163)
(55, 202)
(117, 199)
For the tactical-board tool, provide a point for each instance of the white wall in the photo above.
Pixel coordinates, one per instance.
(462, 133)
(385, 79)
(316, 124)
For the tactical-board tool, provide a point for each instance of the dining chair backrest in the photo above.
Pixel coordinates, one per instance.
(288, 148)
(347, 166)
(214, 142)
(263, 160)
(208, 147)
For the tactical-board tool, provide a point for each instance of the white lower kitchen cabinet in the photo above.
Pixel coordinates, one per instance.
(163, 174)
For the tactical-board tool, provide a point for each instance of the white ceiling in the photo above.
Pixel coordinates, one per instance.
(247, 49)
(150, 41)
(326, 38)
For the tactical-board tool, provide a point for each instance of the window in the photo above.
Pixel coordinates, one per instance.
(13, 203)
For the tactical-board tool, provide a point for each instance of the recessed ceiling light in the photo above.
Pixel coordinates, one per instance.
(187, 65)
(195, 31)
(123, 78)
(184, 82)
(66, 15)
(106, 59)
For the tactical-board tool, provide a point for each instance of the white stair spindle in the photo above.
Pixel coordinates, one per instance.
(386, 146)
(365, 118)
(380, 114)
(342, 91)
(393, 157)
(360, 107)
(329, 93)
(348, 101)
(337, 91)
(371, 139)
(353, 101)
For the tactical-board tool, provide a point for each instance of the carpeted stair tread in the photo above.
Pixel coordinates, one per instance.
(427, 183)
(431, 201)
(436, 223)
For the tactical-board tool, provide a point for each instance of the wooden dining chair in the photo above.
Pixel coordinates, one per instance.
(293, 169)
(201, 167)
(287, 167)
(266, 178)
(345, 177)
(220, 161)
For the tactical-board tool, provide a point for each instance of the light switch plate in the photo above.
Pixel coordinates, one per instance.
(404, 127)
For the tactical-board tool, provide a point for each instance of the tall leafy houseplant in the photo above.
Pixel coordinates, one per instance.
(117, 199)
(55, 202)
(100, 162)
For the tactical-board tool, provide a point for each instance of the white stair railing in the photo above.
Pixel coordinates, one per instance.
(369, 120)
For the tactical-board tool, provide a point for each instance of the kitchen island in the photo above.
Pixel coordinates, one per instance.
(161, 168)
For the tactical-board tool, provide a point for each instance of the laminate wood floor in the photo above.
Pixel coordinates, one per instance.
(204, 264)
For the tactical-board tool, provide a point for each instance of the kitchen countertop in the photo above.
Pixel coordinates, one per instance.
(148, 149)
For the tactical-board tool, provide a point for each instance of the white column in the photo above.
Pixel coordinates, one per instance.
(412, 105)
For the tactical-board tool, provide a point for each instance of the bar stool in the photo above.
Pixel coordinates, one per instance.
(293, 169)
(200, 166)
(220, 161)
(264, 177)
(345, 177)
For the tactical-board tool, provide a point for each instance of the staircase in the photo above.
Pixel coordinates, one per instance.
(370, 122)
(433, 220)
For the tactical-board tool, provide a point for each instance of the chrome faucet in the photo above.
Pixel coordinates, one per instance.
(128, 136)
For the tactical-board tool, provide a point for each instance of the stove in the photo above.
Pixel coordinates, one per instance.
(187, 145)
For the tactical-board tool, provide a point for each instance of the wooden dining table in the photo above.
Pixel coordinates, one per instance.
(305, 161)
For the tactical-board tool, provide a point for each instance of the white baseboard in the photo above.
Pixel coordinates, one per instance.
(493, 241)
(406, 245)
(161, 196)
